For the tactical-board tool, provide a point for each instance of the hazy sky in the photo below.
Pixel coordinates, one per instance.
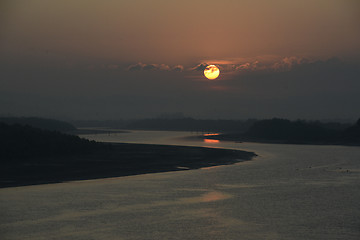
(113, 59)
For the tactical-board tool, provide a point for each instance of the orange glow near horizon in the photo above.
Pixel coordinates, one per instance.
(211, 141)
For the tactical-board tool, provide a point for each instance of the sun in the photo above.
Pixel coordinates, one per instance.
(211, 72)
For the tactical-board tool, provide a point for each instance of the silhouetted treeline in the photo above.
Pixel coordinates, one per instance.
(43, 123)
(181, 124)
(119, 123)
(300, 131)
(352, 134)
(191, 124)
(18, 142)
(282, 129)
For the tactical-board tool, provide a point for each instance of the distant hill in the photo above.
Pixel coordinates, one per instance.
(177, 124)
(43, 123)
(297, 132)
(189, 124)
(352, 134)
(23, 141)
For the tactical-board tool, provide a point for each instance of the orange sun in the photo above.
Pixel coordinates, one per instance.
(211, 72)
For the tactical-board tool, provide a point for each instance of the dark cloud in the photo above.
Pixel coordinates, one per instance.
(281, 87)
(154, 67)
(267, 63)
(251, 66)
(288, 63)
(136, 67)
(178, 68)
(199, 67)
(149, 67)
(260, 64)
(302, 79)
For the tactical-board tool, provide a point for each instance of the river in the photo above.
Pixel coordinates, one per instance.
(287, 192)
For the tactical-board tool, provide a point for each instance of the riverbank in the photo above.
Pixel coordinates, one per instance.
(118, 159)
(284, 131)
(239, 139)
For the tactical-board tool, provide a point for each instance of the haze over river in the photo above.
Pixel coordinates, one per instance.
(287, 192)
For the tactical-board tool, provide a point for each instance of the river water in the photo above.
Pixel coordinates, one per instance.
(287, 192)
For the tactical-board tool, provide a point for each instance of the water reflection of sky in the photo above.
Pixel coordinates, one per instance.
(251, 200)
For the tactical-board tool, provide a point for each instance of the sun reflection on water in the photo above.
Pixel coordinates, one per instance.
(211, 140)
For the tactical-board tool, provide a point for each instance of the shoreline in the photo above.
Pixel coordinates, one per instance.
(118, 160)
(260, 140)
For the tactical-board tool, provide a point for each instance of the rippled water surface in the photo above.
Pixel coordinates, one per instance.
(287, 192)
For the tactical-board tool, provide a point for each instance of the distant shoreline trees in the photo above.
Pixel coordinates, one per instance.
(42, 123)
(297, 132)
(19, 141)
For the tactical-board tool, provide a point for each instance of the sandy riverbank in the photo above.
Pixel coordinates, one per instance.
(119, 159)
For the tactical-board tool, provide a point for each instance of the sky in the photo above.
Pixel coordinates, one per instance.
(123, 59)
